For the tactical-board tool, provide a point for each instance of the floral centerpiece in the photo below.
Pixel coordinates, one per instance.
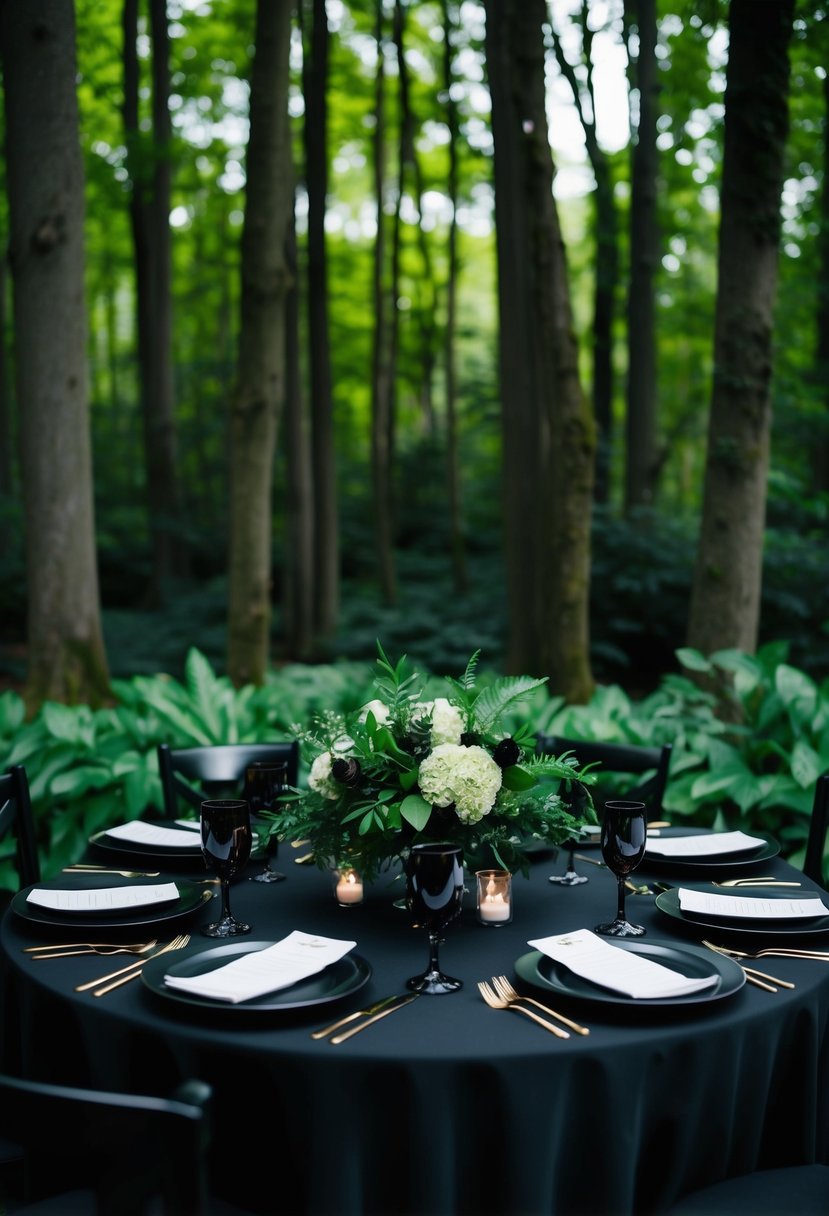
(407, 768)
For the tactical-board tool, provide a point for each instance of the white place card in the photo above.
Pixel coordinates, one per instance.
(711, 844)
(589, 956)
(705, 903)
(156, 837)
(103, 899)
(294, 958)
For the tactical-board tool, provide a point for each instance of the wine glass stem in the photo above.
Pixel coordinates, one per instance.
(620, 914)
(434, 940)
(225, 899)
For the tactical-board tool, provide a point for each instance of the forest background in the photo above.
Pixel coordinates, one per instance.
(376, 372)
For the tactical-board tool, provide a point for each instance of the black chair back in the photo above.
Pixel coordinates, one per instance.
(17, 823)
(196, 773)
(649, 763)
(813, 866)
(85, 1150)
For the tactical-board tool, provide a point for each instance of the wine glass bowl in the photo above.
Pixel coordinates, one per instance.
(434, 896)
(264, 782)
(225, 844)
(623, 841)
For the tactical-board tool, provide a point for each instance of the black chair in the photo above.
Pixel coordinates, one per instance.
(196, 773)
(813, 865)
(803, 1189)
(650, 764)
(17, 824)
(87, 1152)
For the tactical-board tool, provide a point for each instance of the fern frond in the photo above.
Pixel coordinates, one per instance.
(500, 696)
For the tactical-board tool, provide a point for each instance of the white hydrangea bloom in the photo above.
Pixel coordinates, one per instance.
(320, 779)
(467, 776)
(447, 723)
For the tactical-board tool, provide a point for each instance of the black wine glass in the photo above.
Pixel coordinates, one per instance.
(434, 895)
(264, 782)
(624, 837)
(225, 844)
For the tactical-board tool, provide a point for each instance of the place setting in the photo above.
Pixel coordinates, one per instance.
(174, 845)
(767, 911)
(90, 901)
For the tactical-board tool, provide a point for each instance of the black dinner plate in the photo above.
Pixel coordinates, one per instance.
(668, 902)
(546, 975)
(122, 852)
(191, 898)
(339, 979)
(725, 861)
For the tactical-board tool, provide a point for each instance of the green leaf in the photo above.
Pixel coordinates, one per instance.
(416, 811)
(694, 660)
(503, 694)
(517, 778)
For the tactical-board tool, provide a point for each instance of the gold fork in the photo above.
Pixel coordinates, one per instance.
(92, 870)
(772, 952)
(125, 974)
(505, 990)
(752, 972)
(755, 882)
(496, 1002)
(49, 952)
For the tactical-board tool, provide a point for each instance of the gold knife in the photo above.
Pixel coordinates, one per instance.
(384, 1013)
(359, 1013)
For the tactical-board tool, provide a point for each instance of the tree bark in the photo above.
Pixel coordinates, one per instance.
(66, 655)
(326, 597)
(259, 391)
(641, 458)
(548, 429)
(725, 596)
(820, 457)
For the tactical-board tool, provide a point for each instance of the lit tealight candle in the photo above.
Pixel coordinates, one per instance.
(349, 889)
(494, 899)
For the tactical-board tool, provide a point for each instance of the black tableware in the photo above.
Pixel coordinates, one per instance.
(624, 836)
(434, 895)
(226, 843)
(264, 782)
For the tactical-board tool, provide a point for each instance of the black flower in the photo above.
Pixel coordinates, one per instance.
(345, 772)
(507, 752)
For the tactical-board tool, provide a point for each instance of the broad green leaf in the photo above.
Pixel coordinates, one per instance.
(416, 810)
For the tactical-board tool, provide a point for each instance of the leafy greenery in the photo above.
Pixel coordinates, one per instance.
(90, 769)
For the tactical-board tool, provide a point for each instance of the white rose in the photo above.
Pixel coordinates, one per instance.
(320, 779)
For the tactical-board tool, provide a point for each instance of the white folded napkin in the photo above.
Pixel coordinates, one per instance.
(706, 845)
(705, 903)
(103, 899)
(287, 962)
(589, 956)
(157, 837)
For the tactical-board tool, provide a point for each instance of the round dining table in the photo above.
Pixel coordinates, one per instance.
(447, 1106)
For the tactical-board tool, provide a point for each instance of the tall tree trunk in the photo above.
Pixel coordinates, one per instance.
(548, 429)
(7, 462)
(67, 659)
(150, 172)
(326, 597)
(382, 389)
(606, 229)
(259, 392)
(641, 459)
(453, 471)
(725, 596)
(820, 458)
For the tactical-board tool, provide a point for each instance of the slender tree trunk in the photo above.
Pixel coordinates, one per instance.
(453, 470)
(150, 172)
(7, 461)
(260, 386)
(606, 229)
(820, 458)
(326, 597)
(641, 459)
(381, 425)
(548, 430)
(725, 597)
(66, 659)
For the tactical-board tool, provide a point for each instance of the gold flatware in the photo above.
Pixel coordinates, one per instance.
(593, 860)
(659, 823)
(755, 882)
(496, 1002)
(771, 952)
(384, 1013)
(505, 989)
(752, 972)
(78, 945)
(132, 969)
(304, 859)
(103, 950)
(175, 944)
(360, 1013)
(101, 870)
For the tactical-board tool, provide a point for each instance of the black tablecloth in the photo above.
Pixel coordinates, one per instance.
(447, 1107)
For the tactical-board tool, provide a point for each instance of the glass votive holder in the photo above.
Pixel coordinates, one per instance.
(348, 886)
(494, 896)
